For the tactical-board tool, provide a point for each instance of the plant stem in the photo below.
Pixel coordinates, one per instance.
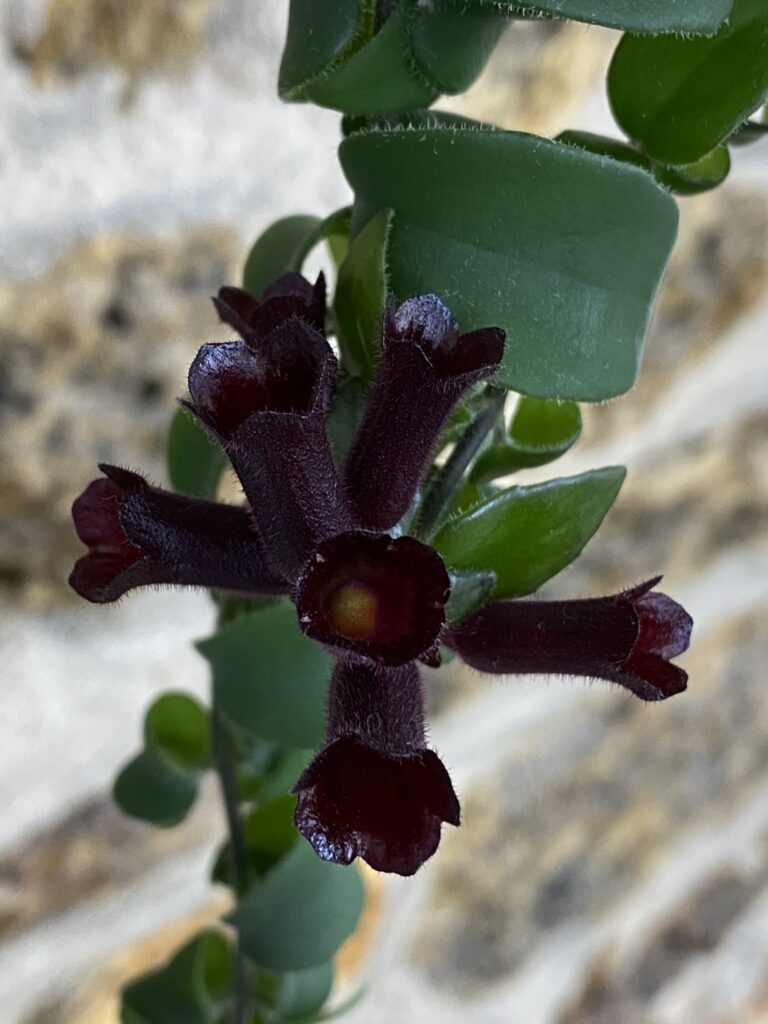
(221, 742)
(450, 473)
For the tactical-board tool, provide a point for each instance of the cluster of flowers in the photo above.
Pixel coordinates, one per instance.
(327, 537)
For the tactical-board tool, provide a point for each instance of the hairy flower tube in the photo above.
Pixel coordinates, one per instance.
(328, 537)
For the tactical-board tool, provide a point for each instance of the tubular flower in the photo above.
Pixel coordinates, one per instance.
(318, 533)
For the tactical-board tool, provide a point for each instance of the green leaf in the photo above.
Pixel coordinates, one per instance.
(652, 16)
(691, 179)
(269, 834)
(680, 98)
(301, 913)
(269, 678)
(190, 990)
(346, 412)
(469, 591)
(177, 726)
(160, 784)
(147, 788)
(195, 463)
(282, 247)
(379, 77)
(315, 42)
(361, 292)
(450, 45)
(684, 179)
(304, 993)
(542, 430)
(526, 535)
(751, 131)
(562, 249)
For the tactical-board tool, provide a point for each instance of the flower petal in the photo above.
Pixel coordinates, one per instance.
(376, 791)
(426, 365)
(355, 801)
(291, 295)
(625, 638)
(140, 536)
(267, 408)
(381, 597)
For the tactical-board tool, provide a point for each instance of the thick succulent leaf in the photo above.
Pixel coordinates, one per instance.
(195, 463)
(562, 249)
(177, 726)
(680, 97)
(269, 678)
(191, 989)
(651, 16)
(451, 45)
(380, 76)
(301, 913)
(361, 293)
(316, 42)
(683, 179)
(526, 535)
(541, 431)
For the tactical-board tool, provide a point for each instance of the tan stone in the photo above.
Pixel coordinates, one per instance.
(539, 76)
(135, 36)
(94, 354)
(564, 834)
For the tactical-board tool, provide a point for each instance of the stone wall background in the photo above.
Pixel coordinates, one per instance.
(613, 864)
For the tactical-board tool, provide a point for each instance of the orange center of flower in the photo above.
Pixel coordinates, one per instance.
(354, 611)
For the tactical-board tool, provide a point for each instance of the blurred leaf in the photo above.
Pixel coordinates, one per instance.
(269, 835)
(526, 535)
(652, 16)
(282, 247)
(542, 430)
(346, 412)
(195, 462)
(562, 249)
(178, 726)
(469, 591)
(304, 993)
(149, 789)
(301, 913)
(269, 678)
(191, 989)
(680, 97)
(160, 784)
(361, 292)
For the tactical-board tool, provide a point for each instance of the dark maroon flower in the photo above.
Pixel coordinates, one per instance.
(426, 366)
(289, 296)
(627, 639)
(375, 791)
(379, 596)
(378, 601)
(140, 535)
(267, 407)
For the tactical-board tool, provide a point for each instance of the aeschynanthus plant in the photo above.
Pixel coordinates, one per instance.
(325, 536)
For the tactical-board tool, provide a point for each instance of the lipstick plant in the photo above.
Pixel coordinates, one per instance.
(486, 282)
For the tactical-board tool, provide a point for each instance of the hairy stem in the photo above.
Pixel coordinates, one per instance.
(225, 769)
(449, 475)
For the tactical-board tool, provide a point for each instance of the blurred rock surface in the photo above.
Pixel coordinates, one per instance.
(613, 861)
